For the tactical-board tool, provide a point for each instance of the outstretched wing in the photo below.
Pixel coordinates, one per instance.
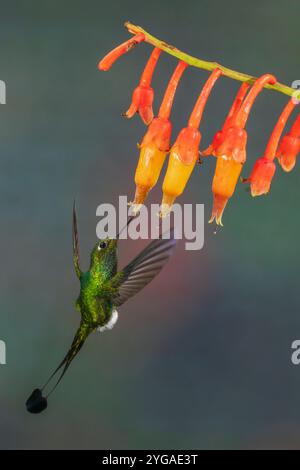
(137, 274)
(75, 243)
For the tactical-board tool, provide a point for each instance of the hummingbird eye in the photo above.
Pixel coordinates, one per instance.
(102, 245)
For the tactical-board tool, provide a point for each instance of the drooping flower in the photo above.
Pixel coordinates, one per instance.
(225, 179)
(107, 61)
(185, 151)
(156, 143)
(289, 147)
(230, 142)
(229, 146)
(143, 95)
(225, 146)
(261, 177)
(264, 169)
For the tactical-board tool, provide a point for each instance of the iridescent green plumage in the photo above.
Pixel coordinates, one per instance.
(103, 289)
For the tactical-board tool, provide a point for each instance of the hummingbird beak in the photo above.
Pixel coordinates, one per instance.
(36, 403)
(130, 219)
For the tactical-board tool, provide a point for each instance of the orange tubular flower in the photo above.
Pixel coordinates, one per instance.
(185, 151)
(107, 61)
(290, 147)
(230, 141)
(143, 95)
(225, 179)
(264, 169)
(156, 143)
(229, 146)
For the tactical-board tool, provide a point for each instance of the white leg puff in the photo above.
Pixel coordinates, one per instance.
(111, 322)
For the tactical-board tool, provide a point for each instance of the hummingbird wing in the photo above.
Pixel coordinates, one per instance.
(137, 274)
(75, 243)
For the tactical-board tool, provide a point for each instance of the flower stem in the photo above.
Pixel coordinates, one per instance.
(202, 64)
(295, 130)
(243, 114)
(167, 102)
(148, 71)
(271, 149)
(107, 61)
(236, 105)
(196, 116)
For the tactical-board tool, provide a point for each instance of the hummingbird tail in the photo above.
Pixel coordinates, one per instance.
(78, 341)
(37, 402)
(74, 350)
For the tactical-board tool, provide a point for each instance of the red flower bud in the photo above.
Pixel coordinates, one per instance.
(143, 95)
(288, 151)
(264, 169)
(290, 147)
(142, 100)
(107, 61)
(261, 176)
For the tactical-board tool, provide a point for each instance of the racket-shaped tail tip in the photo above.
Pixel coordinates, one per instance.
(36, 403)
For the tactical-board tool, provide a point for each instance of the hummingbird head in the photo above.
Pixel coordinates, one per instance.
(104, 254)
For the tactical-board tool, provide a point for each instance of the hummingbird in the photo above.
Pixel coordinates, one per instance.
(103, 289)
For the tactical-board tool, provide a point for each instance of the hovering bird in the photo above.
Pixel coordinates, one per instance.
(103, 289)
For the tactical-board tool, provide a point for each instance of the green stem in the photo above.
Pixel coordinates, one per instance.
(202, 64)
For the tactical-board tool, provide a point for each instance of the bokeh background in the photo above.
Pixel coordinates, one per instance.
(202, 358)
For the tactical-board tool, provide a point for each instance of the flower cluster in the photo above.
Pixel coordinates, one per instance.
(229, 145)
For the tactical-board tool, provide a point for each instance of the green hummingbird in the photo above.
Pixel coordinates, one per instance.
(102, 290)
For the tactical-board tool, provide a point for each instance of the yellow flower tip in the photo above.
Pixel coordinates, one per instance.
(219, 204)
(131, 111)
(130, 205)
(164, 211)
(217, 219)
(260, 189)
(135, 209)
(141, 103)
(166, 205)
(255, 192)
(146, 115)
(261, 176)
(287, 163)
(141, 194)
(287, 169)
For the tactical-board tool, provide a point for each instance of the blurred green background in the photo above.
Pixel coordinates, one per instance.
(200, 359)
